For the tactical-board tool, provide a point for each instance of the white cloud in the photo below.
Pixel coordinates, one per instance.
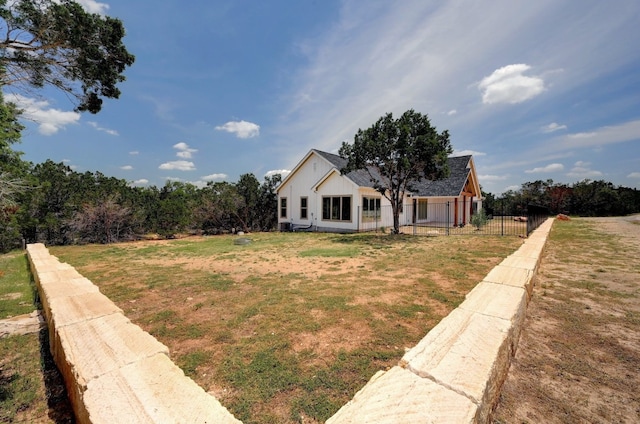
(452, 112)
(552, 167)
(178, 165)
(634, 175)
(135, 152)
(242, 129)
(99, 128)
(93, 6)
(582, 170)
(184, 151)
(50, 120)
(482, 178)
(141, 181)
(552, 127)
(214, 177)
(509, 85)
(126, 167)
(599, 137)
(466, 153)
(582, 135)
(282, 172)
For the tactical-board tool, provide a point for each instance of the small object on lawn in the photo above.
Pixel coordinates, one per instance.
(563, 217)
(242, 241)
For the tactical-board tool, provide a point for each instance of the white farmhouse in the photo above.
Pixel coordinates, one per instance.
(316, 197)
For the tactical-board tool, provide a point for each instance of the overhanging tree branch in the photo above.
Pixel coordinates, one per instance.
(58, 43)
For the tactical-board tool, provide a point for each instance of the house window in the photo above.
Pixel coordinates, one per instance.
(283, 207)
(303, 208)
(422, 209)
(370, 209)
(336, 208)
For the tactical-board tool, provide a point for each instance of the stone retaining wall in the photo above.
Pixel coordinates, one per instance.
(454, 374)
(115, 372)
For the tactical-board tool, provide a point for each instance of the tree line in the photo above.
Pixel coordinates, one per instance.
(56, 205)
(583, 198)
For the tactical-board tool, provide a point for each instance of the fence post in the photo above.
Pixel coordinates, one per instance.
(502, 218)
(448, 212)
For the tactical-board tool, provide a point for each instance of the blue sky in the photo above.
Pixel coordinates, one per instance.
(545, 89)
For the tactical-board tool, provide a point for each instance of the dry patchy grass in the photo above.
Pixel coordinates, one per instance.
(288, 327)
(579, 352)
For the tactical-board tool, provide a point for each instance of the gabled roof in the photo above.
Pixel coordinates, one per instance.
(336, 161)
(360, 177)
(453, 185)
(459, 167)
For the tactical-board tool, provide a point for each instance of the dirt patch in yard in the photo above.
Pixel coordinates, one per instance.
(579, 351)
(289, 326)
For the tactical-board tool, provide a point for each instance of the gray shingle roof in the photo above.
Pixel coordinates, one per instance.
(451, 186)
(359, 177)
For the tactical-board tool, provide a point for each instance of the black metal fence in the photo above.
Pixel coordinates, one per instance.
(536, 215)
(449, 218)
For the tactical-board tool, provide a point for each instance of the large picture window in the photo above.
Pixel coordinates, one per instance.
(370, 209)
(303, 208)
(283, 207)
(336, 208)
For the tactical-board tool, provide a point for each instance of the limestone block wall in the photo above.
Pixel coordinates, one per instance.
(114, 371)
(454, 374)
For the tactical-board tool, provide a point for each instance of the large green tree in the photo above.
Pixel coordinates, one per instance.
(248, 187)
(13, 171)
(12, 167)
(267, 211)
(397, 153)
(58, 43)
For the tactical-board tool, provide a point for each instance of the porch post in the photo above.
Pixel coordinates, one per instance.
(464, 209)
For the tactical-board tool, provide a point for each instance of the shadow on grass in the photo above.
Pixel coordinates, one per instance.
(60, 410)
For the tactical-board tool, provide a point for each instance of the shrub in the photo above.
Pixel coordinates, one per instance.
(479, 219)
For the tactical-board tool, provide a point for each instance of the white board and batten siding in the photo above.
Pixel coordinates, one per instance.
(313, 179)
